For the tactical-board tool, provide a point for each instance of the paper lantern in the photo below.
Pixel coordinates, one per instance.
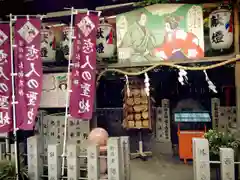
(106, 41)
(221, 29)
(98, 136)
(65, 42)
(47, 45)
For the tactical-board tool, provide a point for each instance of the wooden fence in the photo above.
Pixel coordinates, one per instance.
(118, 160)
(201, 161)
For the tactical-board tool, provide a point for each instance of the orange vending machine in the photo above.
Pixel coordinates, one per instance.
(190, 125)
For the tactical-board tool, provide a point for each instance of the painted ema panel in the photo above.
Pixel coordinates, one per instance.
(160, 32)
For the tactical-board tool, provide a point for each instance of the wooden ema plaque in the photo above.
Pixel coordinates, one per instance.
(136, 107)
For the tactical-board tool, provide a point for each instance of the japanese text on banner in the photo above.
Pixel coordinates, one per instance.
(84, 70)
(5, 80)
(29, 68)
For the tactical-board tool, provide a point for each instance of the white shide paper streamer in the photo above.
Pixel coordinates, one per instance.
(147, 84)
(183, 79)
(211, 86)
(127, 86)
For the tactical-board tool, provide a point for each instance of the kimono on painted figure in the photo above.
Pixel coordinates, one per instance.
(176, 40)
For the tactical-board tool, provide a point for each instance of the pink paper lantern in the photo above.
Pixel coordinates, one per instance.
(98, 136)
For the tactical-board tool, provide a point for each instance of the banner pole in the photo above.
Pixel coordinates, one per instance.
(7, 146)
(67, 93)
(13, 101)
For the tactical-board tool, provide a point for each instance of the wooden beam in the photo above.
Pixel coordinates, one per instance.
(211, 5)
(63, 13)
(102, 8)
(58, 14)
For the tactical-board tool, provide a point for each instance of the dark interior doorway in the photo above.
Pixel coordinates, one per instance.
(164, 82)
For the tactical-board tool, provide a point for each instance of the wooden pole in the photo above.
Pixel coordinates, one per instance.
(237, 86)
(236, 29)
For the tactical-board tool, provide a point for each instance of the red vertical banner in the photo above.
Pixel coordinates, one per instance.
(84, 66)
(5, 80)
(28, 66)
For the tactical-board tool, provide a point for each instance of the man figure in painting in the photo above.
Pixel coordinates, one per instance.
(177, 42)
(138, 37)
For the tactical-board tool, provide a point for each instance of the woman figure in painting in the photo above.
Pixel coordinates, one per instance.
(63, 86)
(177, 40)
(62, 82)
(30, 35)
(138, 37)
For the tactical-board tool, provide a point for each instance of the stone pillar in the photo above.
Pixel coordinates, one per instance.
(73, 163)
(201, 164)
(35, 161)
(114, 159)
(215, 103)
(21, 151)
(163, 143)
(125, 152)
(54, 161)
(166, 119)
(2, 151)
(227, 163)
(93, 162)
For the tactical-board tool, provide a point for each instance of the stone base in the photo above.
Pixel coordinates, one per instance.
(162, 148)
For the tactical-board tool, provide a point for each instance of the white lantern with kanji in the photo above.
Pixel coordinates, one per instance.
(221, 29)
(65, 42)
(106, 41)
(47, 44)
